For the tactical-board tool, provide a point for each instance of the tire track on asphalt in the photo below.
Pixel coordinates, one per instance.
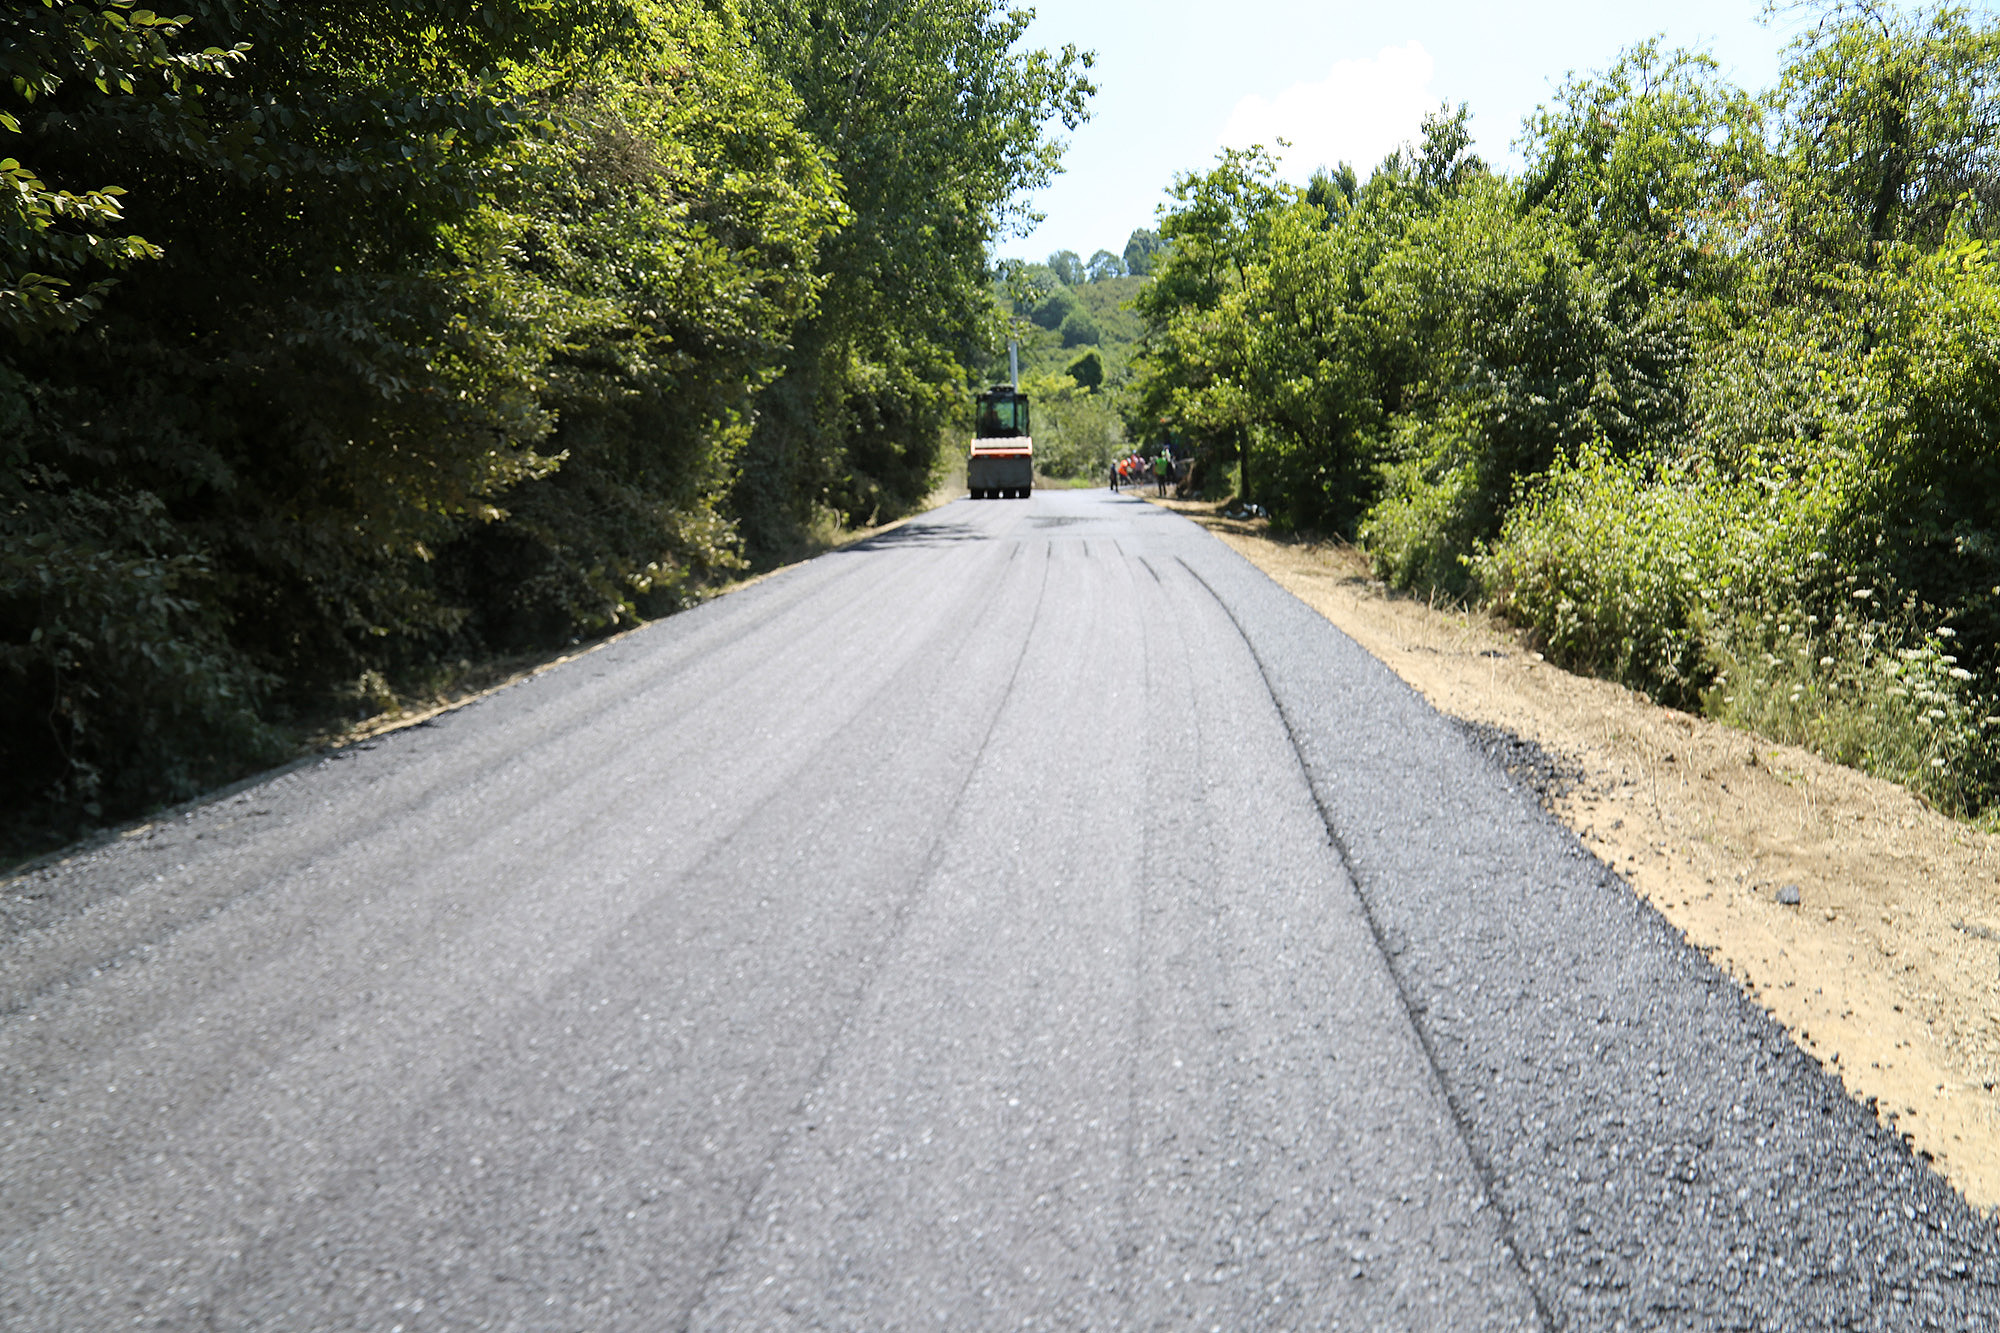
(898, 925)
(1411, 1010)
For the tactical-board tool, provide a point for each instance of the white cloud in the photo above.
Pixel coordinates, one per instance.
(1358, 113)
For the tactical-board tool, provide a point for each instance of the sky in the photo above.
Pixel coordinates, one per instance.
(1343, 81)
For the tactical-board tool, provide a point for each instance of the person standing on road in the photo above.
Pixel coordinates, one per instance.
(1114, 475)
(1163, 467)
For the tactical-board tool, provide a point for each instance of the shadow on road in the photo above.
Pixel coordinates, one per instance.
(922, 534)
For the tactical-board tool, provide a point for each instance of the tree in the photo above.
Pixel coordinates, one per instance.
(671, 238)
(1056, 306)
(1088, 369)
(1141, 251)
(54, 55)
(1333, 192)
(1645, 163)
(413, 265)
(1890, 117)
(1067, 267)
(1079, 327)
(1104, 265)
(1444, 160)
(1195, 354)
(937, 126)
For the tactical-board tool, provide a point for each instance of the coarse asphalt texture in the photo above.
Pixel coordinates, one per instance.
(1031, 918)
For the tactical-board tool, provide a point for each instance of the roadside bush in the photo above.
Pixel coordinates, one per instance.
(1417, 536)
(1077, 433)
(121, 681)
(1617, 572)
(1725, 599)
(1890, 700)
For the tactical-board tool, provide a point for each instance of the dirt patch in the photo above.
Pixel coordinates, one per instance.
(1863, 921)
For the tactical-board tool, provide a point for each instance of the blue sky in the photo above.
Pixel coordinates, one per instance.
(1176, 80)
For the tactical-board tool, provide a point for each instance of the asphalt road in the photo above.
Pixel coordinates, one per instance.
(1030, 919)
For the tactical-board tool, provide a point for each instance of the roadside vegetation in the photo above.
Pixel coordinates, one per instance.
(1077, 330)
(344, 345)
(1706, 397)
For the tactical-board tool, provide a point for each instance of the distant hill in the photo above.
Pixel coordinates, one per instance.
(1057, 321)
(1079, 427)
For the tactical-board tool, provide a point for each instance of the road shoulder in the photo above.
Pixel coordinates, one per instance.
(1887, 969)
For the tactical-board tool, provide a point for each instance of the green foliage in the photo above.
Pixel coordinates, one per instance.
(1896, 704)
(1103, 267)
(1333, 192)
(1087, 371)
(671, 234)
(1077, 432)
(455, 328)
(1057, 306)
(1890, 118)
(1644, 164)
(312, 394)
(1707, 397)
(1621, 572)
(1142, 250)
(936, 124)
(1079, 327)
(1417, 534)
(1027, 291)
(54, 54)
(1200, 315)
(120, 679)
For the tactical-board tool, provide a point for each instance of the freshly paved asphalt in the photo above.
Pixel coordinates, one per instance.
(1031, 919)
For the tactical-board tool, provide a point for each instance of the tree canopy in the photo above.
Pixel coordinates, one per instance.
(1702, 396)
(344, 342)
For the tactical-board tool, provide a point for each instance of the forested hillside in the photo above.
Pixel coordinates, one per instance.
(1707, 396)
(347, 341)
(1077, 330)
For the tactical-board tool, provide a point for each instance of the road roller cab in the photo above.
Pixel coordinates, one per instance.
(1001, 463)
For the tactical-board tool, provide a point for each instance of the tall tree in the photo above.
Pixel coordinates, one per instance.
(934, 119)
(1067, 265)
(402, 263)
(1142, 248)
(1890, 118)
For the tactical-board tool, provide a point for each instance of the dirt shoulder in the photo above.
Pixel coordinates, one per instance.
(1887, 969)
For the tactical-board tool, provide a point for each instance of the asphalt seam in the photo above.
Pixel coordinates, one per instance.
(890, 937)
(1460, 1121)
